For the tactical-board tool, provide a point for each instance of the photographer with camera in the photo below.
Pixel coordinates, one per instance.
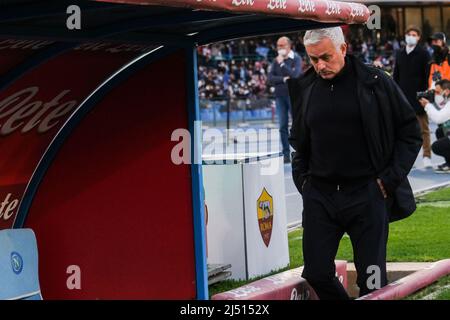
(440, 114)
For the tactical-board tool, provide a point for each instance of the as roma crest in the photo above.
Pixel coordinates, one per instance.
(265, 215)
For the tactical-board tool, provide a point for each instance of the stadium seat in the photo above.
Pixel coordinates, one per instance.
(223, 116)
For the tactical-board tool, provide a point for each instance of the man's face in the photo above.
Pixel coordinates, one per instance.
(326, 59)
(283, 44)
(414, 34)
(437, 42)
(439, 91)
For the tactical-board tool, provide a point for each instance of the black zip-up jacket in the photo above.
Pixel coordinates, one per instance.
(390, 126)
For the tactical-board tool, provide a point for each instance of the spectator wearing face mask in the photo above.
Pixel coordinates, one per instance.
(440, 113)
(287, 65)
(411, 74)
(440, 67)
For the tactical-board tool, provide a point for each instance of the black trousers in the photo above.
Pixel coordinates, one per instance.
(327, 215)
(439, 132)
(441, 147)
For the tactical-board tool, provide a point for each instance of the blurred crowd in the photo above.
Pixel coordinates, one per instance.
(239, 69)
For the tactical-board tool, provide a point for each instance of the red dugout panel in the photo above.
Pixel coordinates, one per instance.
(36, 106)
(113, 202)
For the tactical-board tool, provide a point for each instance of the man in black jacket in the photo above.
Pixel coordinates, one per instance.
(411, 74)
(356, 138)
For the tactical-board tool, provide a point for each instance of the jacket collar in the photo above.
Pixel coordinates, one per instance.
(291, 54)
(414, 50)
(365, 74)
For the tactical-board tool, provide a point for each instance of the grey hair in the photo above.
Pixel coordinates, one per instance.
(335, 34)
(287, 39)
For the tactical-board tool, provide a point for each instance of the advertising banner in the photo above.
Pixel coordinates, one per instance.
(317, 10)
(36, 106)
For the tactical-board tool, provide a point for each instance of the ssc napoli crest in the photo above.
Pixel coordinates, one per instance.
(16, 262)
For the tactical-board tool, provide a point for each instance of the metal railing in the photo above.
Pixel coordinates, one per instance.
(233, 111)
